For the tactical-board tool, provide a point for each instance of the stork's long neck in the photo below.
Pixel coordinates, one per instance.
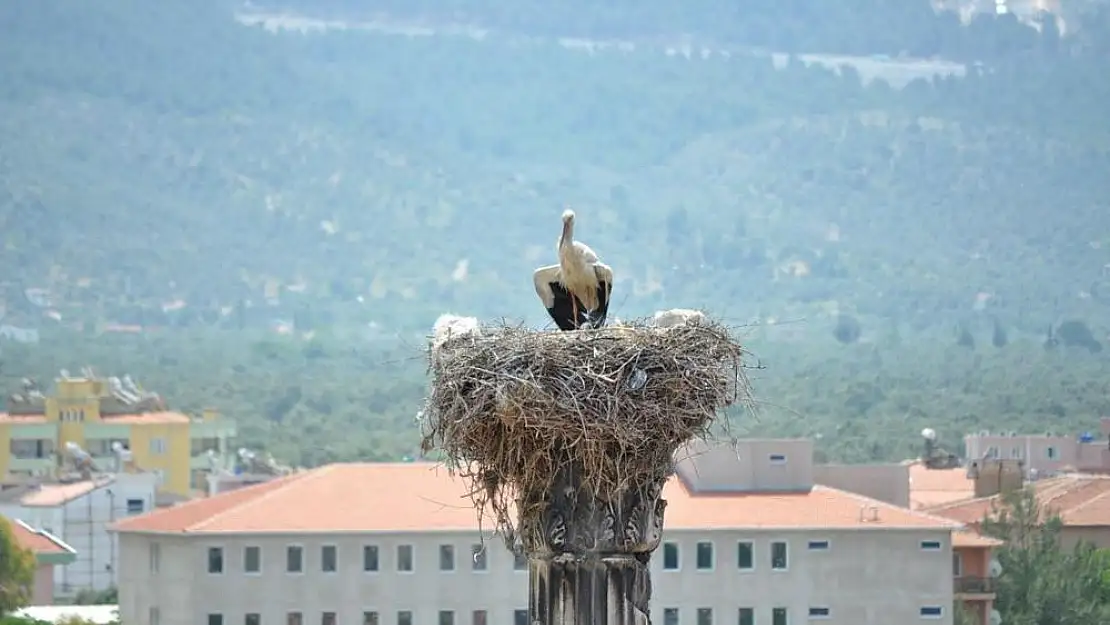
(567, 239)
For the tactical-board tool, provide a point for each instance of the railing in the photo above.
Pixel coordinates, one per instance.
(974, 585)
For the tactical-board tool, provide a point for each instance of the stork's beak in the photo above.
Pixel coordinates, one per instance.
(568, 223)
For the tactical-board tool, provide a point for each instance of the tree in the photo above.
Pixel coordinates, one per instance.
(17, 571)
(1041, 582)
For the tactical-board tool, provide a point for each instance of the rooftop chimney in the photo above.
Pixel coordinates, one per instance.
(996, 476)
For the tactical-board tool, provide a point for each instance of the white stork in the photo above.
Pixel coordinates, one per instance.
(576, 291)
(678, 317)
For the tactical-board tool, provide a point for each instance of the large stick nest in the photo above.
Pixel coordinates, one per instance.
(511, 407)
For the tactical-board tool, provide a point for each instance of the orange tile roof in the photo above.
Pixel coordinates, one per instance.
(17, 419)
(127, 419)
(147, 417)
(969, 538)
(48, 495)
(819, 507)
(931, 487)
(409, 497)
(37, 541)
(1079, 499)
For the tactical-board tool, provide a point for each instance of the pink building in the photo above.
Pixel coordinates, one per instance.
(1046, 453)
(49, 552)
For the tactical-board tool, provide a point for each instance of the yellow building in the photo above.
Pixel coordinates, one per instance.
(102, 415)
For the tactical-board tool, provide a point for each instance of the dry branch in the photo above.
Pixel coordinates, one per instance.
(511, 406)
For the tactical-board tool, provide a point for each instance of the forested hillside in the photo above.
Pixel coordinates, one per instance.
(360, 184)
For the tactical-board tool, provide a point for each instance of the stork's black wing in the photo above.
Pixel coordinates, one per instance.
(562, 312)
(596, 318)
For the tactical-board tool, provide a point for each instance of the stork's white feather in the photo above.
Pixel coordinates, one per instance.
(450, 326)
(677, 317)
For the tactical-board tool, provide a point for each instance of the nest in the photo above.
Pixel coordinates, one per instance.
(510, 407)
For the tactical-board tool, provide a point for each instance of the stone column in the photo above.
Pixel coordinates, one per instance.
(588, 553)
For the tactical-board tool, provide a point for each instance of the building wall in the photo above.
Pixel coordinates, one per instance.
(85, 521)
(164, 448)
(1042, 454)
(170, 588)
(349, 591)
(43, 591)
(748, 465)
(82, 524)
(1072, 535)
(885, 482)
(865, 577)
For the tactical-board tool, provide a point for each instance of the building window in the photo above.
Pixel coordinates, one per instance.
(1015, 452)
(705, 616)
(404, 558)
(746, 617)
(520, 617)
(779, 553)
(704, 556)
(446, 558)
(252, 619)
(777, 458)
(992, 452)
(818, 545)
(294, 618)
(818, 613)
(327, 618)
(446, 617)
(930, 545)
(252, 559)
(404, 617)
(155, 557)
(215, 560)
(520, 562)
(294, 559)
(155, 616)
(670, 616)
(1050, 452)
(745, 555)
(932, 611)
(370, 558)
(215, 619)
(478, 558)
(670, 556)
(369, 617)
(135, 506)
(329, 559)
(479, 617)
(779, 616)
(157, 446)
(957, 565)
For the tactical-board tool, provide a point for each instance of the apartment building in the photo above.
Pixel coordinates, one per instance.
(1046, 453)
(79, 513)
(103, 415)
(50, 552)
(1081, 500)
(749, 539)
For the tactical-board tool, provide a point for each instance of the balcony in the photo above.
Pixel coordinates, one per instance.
(974, 585)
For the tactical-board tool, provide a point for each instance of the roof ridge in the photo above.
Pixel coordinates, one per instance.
(288, 480)
(878, 503)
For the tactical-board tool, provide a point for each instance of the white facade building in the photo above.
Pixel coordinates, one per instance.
(749, 539)
(79, 513)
